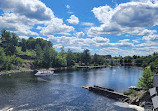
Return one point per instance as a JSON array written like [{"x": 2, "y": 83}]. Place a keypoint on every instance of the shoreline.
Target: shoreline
[
  {"x": 120, "y": 97},
  {"x": 16, "y": 71},
  {"x": 55, "y": 69}
]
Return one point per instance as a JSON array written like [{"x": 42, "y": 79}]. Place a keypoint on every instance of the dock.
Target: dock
[{"x": 110, "y": 93}]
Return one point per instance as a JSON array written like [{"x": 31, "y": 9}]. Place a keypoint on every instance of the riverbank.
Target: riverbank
[
  {"x": 55, "y": 69},
  {"x": 135, "y": 102},
  {"x": 138, "y": 97},
  {"x": 16, "y": 71}
]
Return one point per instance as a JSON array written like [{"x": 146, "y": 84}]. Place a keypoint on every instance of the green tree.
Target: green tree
[
  {"x": 47, "y": 59},
  {"x": 70, "y": 58},
  {"x": 86, "y": 58},
  {"x": 8, "y": 42},
  {"x": 60, "y": 61},
  {"x": 146, "y": 81},
  {"x": 2, "y": 57},
  {"x": 62, "y": 52},
  {"x": 95, "y": 59},
  {"x": 39, "y": 55},
  {"x": 23, "y": 45}
]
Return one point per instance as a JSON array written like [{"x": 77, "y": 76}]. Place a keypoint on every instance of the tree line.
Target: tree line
[{"x": 45, "y": 56}]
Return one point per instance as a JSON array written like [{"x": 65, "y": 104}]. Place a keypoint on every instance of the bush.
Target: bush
[
  {"x": 131, "y": 92},
  {"x": 146, "y": 81}
]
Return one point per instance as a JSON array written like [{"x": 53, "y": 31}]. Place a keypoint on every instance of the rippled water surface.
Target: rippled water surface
[{"x": 62, "y": 91}]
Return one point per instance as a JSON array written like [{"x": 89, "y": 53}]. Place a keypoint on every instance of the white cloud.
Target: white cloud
[
  {"x": 135, "y": 41},
  {"x": 21, "y": 16},
  {"x": 56, "y": 26},
  {"x": 23, "y": 37},
  {"x": 87, "y": 24},
  {"x": 147, "y": 32},
  {"x": 73, "y": 20},
  {"x": 88, "y": 42},
  {"x": 67, "y": 6},
  {"x": 134, "y": 51},
  {"x": 101, "y": 40},
  {"x": 33, "y": 9},
  {"x": 10, "y": 21},
  {"x": 103, "y": 13},
  {"x": 124, "y": 40},
  {"x": 80, "y": 34},
  {"x": 153, "y": 38},
  {"x": 130, "y": 17}
]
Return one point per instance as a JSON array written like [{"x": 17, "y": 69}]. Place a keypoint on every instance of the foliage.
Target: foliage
[
  {"x": 9, "y": 41},
  {"x": 27, "y": 52},
  {"x": 2, "y": 56},
  {"x": 86, "y": 57},
  {"x": 146, "y": 81},
  {"x": 131, "y": 93},
  {"x": 70, "y": 58}
]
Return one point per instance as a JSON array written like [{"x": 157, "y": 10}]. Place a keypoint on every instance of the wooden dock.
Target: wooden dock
[{"x": 110, "y": 93}]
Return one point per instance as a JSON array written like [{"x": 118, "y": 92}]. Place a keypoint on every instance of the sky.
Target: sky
[{"x": 115, "y": 27}]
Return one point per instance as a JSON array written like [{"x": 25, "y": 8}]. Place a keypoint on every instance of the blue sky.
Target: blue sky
[{"x": 116, "y": 27}]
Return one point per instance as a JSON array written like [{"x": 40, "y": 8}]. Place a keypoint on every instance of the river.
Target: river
[{"x": 62, "y": 91}]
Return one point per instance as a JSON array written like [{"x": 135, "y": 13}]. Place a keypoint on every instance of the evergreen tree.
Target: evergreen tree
[
  {"x": 70, "y": 58},
  {"x": 86, "y": 58},
  {"x": 39, "y": 55},
  {"x": 146, "y": 81},
  {"x": 23, "y": 44}
]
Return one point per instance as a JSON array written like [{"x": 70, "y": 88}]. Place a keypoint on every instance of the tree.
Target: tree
[
  {"x": 60, "y": 61},
  {"x": 39, "y": 55},
  {"x": 23, "y": 44},
  {"x": 95, "y": 59},
  {"x": 2, "y": 57},
  {"x": 86, "y": 58},
  {"x": 9, "y": 41},
  {"x": 31, "y": 43},
  {"x": 70, "y": 58},
  {"x": 62, "y": 52},
  {"x": 47, "y": 59},
  {"x": 146, "y": 81}
]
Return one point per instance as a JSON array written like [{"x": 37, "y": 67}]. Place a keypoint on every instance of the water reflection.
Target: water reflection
[{"x": 62, "y": 91}]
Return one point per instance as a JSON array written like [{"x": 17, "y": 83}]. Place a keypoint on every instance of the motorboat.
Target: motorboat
[{"x": 44, "y": 73}]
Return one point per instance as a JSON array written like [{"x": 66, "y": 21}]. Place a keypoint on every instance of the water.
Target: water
[{"x": 62, "y": 91}]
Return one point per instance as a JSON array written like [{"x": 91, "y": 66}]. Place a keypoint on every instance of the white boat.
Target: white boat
[{"x": 44, "y": 73}]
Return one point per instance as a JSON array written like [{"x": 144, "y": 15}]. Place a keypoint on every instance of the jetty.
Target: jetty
[{"x": 110, "y": 93}]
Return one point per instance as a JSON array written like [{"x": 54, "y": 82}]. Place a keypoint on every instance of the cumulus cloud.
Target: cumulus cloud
[
  {"x": 33, "y": 9},
  {"x": 88, "y": 42},
  {"x": 56, "y": 26},
  {"x": 10, "y": 21},
  {"x": 123, "y": 52},
  {"x": 73, "y": 20},
  {"x": 80, "y": 34},
  {"x": 20, "y": 16},
  {"x": 153, "y": 38},
  {"x": 79, "y": 42},
  {"x": 130, "y": 17}
]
